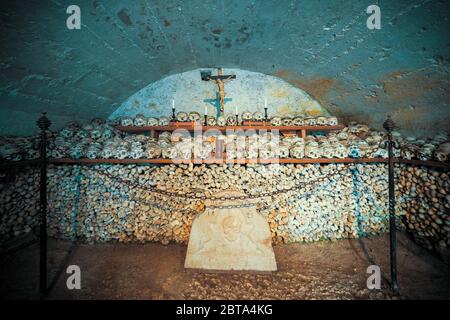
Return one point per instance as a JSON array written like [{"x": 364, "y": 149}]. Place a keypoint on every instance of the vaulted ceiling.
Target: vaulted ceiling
[{"x": 323, "y": 47}]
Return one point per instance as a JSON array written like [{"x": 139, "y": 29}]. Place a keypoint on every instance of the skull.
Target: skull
[
  {"x": 136, "y": 153},
  {"x": 182, "y": 116},
  {"x": 140, "y": 120},
  {"x": 381, "y": 153},
  {"x": 126, "y": 121},
  {"x": 231, "y": 120},
  {"x": 283, "y": 151},
  {"x": 258, "y": 116},
  {"x": 332, "y": 121},
  {"x": 163, "y": 121},
  {"x": 153, "y": 151},
  {"x": 169, "y": 152},
  {"x": 251, "y": 152},
  {"x": 221, "y": 121},
  {"x": 321, "y": 121},
  {"x": 342, "y": 135},
  {"x": 194, "y": 116},
  {"x": 298, "y": 151},
  {"x": 152, "y": 122},
  {"x": 67, "y": 133},
  {"x": 276, "y": 121},
  {"x": 341, "y": 152},
  {"x": 92, "y": 153},
  {"x": 328, "y": 152},
  {"x": 95, "y": 133},
  {"x": 298, "y": 121},
  {"x": 76, "y": 152},
  {"x": 246, "y": 116},
  {"x": 121, "y": 152},
  {"x": 211, "y": 121},
  {"x": 442, "y": 152},
  {"x": 286, "y": 121},
  {"x": 407, "y": 154},
  {"x": 310, "y": 121},
  {"x": 265, "y": 153},
  {"x": 312, "y": 151},
  {"x": 33, "y": 154},
  {"x": 353, "y": 151},
  {"x": 107, "y": 152}
]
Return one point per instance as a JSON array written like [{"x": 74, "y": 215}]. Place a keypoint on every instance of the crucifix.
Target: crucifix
[{"x": 219, "y": 79}]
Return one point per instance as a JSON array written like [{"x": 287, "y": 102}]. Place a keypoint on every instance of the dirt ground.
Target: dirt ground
[{"x": 325, "y": 270}]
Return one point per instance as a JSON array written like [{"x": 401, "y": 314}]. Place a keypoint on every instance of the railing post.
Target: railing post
[
  {"x": 388, "y": 125},
  {"x": 43, "y": 124}
]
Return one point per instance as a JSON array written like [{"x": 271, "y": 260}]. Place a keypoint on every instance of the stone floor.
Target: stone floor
[{"x": 325, "y": 270}]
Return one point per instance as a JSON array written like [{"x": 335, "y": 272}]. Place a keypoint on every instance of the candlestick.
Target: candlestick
[
  {"x": 206, "y": 120},
  {"x": 265, "y": 113},
  {"x": 173, "y": 110},
  {"x": 237, "y": 119}
]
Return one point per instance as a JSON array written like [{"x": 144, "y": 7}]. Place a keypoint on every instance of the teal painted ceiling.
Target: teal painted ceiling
[{"x": 322, "y": 47}]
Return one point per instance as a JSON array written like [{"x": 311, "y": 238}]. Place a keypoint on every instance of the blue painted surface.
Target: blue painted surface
[{"x": 323, "y": 47}]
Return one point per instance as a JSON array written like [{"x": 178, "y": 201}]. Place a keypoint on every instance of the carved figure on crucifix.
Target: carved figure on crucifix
[{"x": 219, "y": 79}]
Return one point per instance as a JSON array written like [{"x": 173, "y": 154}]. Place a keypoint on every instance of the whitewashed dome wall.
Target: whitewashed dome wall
[{"x": 247, "y": 92}]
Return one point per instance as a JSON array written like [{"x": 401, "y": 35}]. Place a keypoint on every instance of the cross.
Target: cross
[
  {"x": 206, "y": 76},
  {"x": 216, "y": 103}
]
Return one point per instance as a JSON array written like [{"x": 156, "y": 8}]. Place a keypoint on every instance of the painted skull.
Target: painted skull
[
  {"x": 286, "y": 121},
  {"x": 276, "y": 121},
  {"x": 194, "y": 116},
  {"x": 298, "y": 121},
  {"x": 321, "y": 121},
  {"x": 246, "y": 116},
  {"x": 332, "y": 121},
  {"x": 353, "y": 151},
  {"x": 258, "y": 116},
  {"x": 211, "y": 121},
  {"x": 152, "y": 122},
  {"x": 163, "y": 121},
  {"x": 231, "y": 120},
  {"x": 182, "y": 116},
  {"x": 140, "y": 120},
  {"x": 221, "y": 121},
  {"x": 310, "y": 121}
]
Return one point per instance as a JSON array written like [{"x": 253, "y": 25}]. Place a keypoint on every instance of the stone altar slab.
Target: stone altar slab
[{"x": 226, "y": 239}]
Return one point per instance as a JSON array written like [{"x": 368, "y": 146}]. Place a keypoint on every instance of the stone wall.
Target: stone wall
[{"x": 302, "y": 203}]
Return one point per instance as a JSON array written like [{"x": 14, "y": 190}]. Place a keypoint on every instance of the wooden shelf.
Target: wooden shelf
[
  {"x": 215, "y": 161},
  {"x": 437, "y": 164},
  {"x": 134, "y": 129}
]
